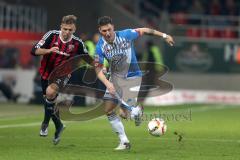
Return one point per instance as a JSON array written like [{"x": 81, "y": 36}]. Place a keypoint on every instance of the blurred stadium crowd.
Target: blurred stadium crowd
[
  {"x": 199, "y": 7},
  {"x": 202, "y": 18}
]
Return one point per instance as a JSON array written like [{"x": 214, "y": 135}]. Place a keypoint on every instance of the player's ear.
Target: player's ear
[
  {"x": 74, "y": 29},
  {"x": 99, "y": 29}
]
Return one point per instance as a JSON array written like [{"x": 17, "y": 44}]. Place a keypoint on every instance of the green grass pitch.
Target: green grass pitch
[{"x": 209, "y": 132}]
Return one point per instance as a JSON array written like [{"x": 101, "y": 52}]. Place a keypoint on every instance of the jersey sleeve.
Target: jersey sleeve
[
  {"x": 82, "y": 48},
  {"x": 44, "y": 42},
  {"x": 130, "y": 34},
  {"x": 98, "y": 57}
]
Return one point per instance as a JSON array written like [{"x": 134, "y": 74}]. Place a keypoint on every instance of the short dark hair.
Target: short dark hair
[
  {"x": 104, "y": 21},
  {"x": 69, "y": 19}
]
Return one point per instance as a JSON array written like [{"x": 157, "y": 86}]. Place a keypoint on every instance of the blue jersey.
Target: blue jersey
[{"x": 120, "y": 54}]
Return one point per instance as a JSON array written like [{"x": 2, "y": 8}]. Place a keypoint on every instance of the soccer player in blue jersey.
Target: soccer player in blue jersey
[{"x": 117, "y": 47}]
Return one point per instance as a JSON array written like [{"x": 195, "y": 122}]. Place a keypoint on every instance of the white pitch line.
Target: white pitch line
[
  {"x": 20, "y": 125},
  {"x": 27, "y": 125}
]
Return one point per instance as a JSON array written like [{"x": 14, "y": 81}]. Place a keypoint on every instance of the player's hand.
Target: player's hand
[
  {"x": 111, "y": 88},
  {"x": 53, "y": 49},
  {"x": 169, "y": 40}
]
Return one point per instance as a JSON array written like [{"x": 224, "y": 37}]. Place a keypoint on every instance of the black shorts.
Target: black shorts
[
  {"x": 61, "y": 82},
  {"x": 44, "y": 84}
]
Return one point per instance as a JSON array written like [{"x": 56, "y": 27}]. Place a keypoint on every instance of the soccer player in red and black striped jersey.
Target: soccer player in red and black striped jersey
[{"x": 56, "y": 47}]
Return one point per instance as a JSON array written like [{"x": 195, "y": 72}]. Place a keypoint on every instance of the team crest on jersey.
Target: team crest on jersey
[
  {"x": 124, "y": 45},
  {"x": 56, "y": 43},
  {"x": 70, "y": 47}
]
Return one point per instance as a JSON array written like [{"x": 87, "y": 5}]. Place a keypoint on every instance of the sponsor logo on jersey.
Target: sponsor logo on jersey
[
  {"x": 71, "y": 48},
  {"x": 56, "y": 43},
  {"x": 124, "y": 45}
]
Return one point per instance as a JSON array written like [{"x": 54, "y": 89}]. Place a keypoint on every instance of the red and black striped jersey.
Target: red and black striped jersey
[{"x": 67, "y": 50}]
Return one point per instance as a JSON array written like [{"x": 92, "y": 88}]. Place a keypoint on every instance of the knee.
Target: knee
[
  {"x": 51, "y": 93},
  {"x": 123, "y": 113},
  {"x": 109, "y": 107},
  {"x": 108, "y": 111}
]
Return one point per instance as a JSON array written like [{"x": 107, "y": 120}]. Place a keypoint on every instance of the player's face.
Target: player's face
[
  {"x": 67, "y": 30},
  {"x": 107, "y": 31}
]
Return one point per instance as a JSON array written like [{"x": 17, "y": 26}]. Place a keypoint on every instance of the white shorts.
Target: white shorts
[{"x": 127, "y": 90}]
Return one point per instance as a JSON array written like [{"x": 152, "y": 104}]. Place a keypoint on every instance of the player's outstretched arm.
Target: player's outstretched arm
[{"x": 149, "y": 31}]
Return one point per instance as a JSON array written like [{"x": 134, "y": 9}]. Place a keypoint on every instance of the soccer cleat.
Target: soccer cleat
[
  {"x": 123, "y": 146},
  {"x": 137, "y": 114},
  {"x": 44, "y": 130},
  {"x": 57, "y": 134}
]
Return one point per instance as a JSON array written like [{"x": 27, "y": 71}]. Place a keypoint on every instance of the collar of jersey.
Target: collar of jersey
[{"x": 63, "y": 40}]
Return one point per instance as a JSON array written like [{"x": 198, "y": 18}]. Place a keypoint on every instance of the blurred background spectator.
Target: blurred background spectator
[{"x": 6, "y": 88}]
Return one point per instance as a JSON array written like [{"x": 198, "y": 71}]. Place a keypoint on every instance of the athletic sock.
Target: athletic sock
[
  {"x": 48, "y": 111},
  {"x": 118, "y": 127},
  {"x": 56, "y": 120}
]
